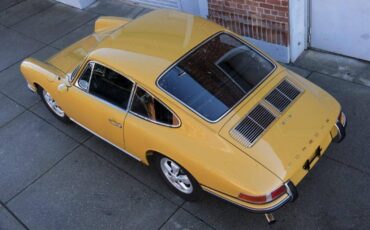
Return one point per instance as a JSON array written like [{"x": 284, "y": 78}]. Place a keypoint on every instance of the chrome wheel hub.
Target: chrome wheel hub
[
  {"x": 176, "y": 176},
  {"x": 52, "y": 104}
]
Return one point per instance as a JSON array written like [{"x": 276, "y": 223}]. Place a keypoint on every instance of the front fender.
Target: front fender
[
  {"x": 38, "y": 73},
  {"x": 33, "y": 69}
]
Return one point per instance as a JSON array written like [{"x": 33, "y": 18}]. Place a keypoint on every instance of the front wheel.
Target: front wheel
[
  {"x": 53, "y": 106},
  {"x": 178, "y": 179}
]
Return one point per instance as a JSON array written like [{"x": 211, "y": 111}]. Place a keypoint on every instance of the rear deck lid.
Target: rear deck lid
[{"x": 283, "y": 125}]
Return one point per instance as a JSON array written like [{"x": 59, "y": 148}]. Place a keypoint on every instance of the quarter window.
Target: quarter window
[
  {"x": 148, "y": 107},
  {"x": 83, "y": 81}
]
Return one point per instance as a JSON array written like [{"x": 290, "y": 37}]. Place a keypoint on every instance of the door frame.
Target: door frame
[{"x": 74, "y": 85}]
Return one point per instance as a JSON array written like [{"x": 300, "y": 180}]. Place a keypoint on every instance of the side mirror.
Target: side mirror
[{"x": 62, "y": 87}]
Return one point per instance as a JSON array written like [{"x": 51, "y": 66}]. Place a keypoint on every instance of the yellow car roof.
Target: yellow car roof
[{"x": 147, "y": 46}]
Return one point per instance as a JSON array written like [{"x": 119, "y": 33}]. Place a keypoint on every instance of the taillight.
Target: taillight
[{"x": 264, "y": 198}]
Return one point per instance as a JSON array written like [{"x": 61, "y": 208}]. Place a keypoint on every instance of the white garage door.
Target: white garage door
[{"x": 341, "y": 26}]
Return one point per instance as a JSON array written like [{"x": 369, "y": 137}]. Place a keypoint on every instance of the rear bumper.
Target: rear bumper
[
  {"x": 290, "y": 196},
  {"x": 337, "y": 135}
]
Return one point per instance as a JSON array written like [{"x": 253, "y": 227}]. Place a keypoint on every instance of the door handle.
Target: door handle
[{"x": 115, "y": 123}]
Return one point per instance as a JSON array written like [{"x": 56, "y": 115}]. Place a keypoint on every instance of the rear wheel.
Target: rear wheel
[
  {"x": 178, "y": 179},
  {"x": 52, "y": 105}
]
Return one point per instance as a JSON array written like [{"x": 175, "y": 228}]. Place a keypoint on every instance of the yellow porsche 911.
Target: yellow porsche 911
[{"x": 209, "y": 110}]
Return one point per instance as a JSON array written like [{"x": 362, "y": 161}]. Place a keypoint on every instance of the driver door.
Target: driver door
[{"x": 98, "y": 101}]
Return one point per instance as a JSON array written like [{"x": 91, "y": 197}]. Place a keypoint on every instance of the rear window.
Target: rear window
[{"x": 216, "y": 76}]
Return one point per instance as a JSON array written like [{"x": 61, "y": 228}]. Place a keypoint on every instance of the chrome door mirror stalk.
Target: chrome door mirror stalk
[
  {"x": 62, "y": 87},
  {"x": 66, "y": 83},
  {"x": 69, "y": 80}
]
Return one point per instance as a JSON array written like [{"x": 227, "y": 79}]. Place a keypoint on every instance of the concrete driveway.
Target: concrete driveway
[{"x": 57, "y": 176}]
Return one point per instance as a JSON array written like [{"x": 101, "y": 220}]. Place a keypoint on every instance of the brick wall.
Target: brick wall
[{"x": 266, "y": 20}]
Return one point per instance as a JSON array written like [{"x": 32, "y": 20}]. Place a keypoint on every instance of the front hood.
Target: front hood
[
  {"x": 295, "y": 134},
  {"x": 68, "y": 59}
]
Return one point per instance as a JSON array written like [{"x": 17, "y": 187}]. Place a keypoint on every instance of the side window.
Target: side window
[
  {"x": 150, "y": 108},
  {"x": 83, "y": 81},
  {"x": 110, "y": 86}
]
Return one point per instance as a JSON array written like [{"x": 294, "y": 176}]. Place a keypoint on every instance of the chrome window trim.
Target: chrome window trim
[
  {"x": 74, "y": 73},
  {"x": 98, "y": 98},
  {"x": 123, "y": 150},
  {"x": 192, "y": 51},
  {"x": 131, "y": 97},
  {"x": 150, "y": 120}
]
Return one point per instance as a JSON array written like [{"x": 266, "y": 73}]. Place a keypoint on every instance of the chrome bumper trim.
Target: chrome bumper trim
[
  {"x": 344, "y": 120},
  {"x": 341, "y": 128},
  {"x": 129, "y": 154}
]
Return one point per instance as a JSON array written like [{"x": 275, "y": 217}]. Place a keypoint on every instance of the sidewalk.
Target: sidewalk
[
  {"x": 57, "y": 176},
  {"x": 337, "y": 66}
]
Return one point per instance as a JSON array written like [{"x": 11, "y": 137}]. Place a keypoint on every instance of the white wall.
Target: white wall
[
  {"x": 341, "y": 26},
  {"x": 203, "y": 8},
  {"x": 298, "y": 14},
  {"x": 196, "y": 7},
  {"x": 81, "y": 4}
]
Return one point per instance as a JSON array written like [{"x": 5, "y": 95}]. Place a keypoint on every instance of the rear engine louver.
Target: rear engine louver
[
  {"x": 253, "y": 125},
  {"x": 283, "y": 95}
]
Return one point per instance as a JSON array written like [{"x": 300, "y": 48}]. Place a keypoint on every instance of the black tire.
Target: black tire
[
  {"x": 194, "y": 194},
  {"x": 64, "y": 118}
]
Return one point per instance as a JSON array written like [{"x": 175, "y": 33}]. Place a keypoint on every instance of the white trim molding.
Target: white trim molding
[
  {"x": 124, "y": 151},
  {"x": 277, "y": 52},
  {"x": 196, "y": 7},
  {"x": 80, "y": 4}
]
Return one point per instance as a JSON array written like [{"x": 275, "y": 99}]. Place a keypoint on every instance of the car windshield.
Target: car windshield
[{"x": 216, "y": 76}]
